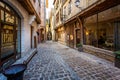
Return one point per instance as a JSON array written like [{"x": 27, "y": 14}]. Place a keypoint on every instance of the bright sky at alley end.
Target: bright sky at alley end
[{"x": 50, "y": 5}]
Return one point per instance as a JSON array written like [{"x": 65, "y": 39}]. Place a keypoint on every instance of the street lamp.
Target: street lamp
[{"x": 77, "y": 3}]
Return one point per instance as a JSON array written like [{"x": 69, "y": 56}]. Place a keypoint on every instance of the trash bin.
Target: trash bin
[{"x": 15, "y": 72}]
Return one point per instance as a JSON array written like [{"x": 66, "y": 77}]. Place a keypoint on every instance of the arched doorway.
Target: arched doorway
[{"x": 10, "y": 35}]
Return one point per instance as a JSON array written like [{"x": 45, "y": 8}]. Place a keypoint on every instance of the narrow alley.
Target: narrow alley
[{"x": 55, "y": 61}]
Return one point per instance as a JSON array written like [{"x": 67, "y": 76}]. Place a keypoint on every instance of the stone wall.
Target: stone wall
[{"x": 105, "y": 54}]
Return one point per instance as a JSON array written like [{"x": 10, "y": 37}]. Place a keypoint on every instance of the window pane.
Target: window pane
[
  {"x": 7, "y": 48},
  {"x": 7, "y": 8},
  {"x": 106, "y": 27},
  {"x": 1, "y": 4},
  {"x": 91, "y": 30},
  {"x": 2, "y": 15},
  {"x": 9, "y": 18}
]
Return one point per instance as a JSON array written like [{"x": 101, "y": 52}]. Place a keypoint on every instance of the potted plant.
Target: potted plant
[
  {"x": 117, "y": 58},
  {"x": 80, "y": 47}
]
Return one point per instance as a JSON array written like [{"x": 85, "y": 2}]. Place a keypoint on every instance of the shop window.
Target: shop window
[
  {"x": 91, "y": 31},
  {"x": 10, "y": 39},
  {"x": 117, "y": 37},
  {"x": 106, "y": 27},
  {"x": 101, "y": 30}
]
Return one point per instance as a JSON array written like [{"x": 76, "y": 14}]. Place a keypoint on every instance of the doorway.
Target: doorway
[
  {"x": 77, "y": 36},
  {"x": 32, "y": 45}
]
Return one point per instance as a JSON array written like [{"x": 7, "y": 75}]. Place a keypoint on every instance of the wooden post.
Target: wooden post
[{"x": 81, "y": 28}]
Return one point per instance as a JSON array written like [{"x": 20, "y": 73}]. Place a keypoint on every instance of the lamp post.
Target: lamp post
[{"x": 77, "y": 3}]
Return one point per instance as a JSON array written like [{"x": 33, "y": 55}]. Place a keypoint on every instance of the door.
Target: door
[
  {"x": 8, "y": 43},
  {"x": 32, "y": 45},
  {"x": 78, "y": 36}
]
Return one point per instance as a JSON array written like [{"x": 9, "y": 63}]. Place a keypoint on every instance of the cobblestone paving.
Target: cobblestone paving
[
  {"x": 87, "y": 66},
  {"x": 47, "y": 65},
  {"x": 58, "y": 62}
]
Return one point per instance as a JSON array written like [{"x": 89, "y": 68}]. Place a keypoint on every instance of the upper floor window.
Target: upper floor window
[
  {"x": 69, "y": 8},
  {"x": 34, "y": 1},
  {"x": 39, "y": 2},
  {"x": 64, "y": 13},
  {"x": 57, "y": 4},
  {"x": 63, "y": 2}
]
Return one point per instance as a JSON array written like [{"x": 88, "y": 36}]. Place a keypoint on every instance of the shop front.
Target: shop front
[
  {"x": 61, "y": 34},
  {"x": 10, "y": 35},
  {"x": 70, "y": 35},
  {"x": 102, "y": 30}
]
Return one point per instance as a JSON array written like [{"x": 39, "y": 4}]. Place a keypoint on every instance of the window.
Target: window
[
  {"x": 91, "y": 30},
  {"x": 34, "y": 1},
  {"x": 39, "y": 3},
  {"x": 64, "y": 13},
  {"x": 10, "y": 39},
  {"x": 103, "y": 32},
  {"x": 57, "y": 17},
  {"x": 69, "y": 8}
]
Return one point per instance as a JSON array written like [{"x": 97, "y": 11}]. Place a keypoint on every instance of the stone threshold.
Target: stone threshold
[{"x": 25, "y": 59}]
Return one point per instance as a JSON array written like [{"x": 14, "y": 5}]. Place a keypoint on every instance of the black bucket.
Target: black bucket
[{"x": 15, "y": 72}]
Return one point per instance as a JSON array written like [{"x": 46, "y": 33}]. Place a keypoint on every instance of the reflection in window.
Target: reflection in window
[
  {"x": 100, "y": 33},
  {"x": 1, "y": 4},
  {"x": 91, "y": 30},
  {"x": 2, "y": 15},
  {"x": 9, "y": 18},
  {"x": 7, "y": 48}
]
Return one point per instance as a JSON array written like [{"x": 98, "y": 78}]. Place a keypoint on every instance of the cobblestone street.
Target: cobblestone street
[{"x": 58, "y": 62}]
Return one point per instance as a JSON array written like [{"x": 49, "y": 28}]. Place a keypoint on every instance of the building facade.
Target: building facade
[
  {"x": 93, "y": 23},
  {"x": 52, "y": 24},
  {"x": 19, "y": 21},
  {"x": 42, "y": 29}
]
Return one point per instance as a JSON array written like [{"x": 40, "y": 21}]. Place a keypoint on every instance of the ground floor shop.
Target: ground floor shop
[
  {"x": 97, "y": 32},
  {"x": 101, "y": 31},
  {"x": 69, "y": 34},
  {"x": 17, "y": 32}
]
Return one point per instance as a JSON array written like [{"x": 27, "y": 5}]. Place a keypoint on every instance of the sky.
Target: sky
[{"x": 50, "y": 5}]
